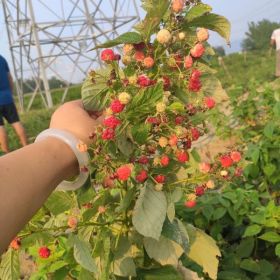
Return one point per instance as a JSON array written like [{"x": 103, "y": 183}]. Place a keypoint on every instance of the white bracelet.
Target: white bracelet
[{"x": 82, "y": 157}]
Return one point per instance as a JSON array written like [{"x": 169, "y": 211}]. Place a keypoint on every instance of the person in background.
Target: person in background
[
  {"x": 275, "y": 40},
  {"x": 7, "y": 108}
]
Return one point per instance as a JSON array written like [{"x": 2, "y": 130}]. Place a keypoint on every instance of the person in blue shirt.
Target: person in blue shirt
[{"x": 8, "y": 109}]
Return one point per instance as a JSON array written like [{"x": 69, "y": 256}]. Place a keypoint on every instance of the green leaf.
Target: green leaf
[
  {"x": 125, "y": 145},
  {"x": 265, "y": 267},
  {"x": 57, "y": 265},
  {"x": 9, "y": 266},
  {"x": 252, "y": 230},
  {"x": 201, "y": 242},
  {"x": 82, "y": 254},
  {"x": 177, "y": 107},
  {"x": 163, "y": 273},
  {"x": 277, "y": 250},
  {"x": 245, "y": 248},
  {"x": 164, "y": 251},
  {"x": 140, "y": 133},
  {"x": 94, "y": 91},
  {"x": 126, "y": 38},
  {"x": 269, "y": 169},
  {"x": 156, "y": 9},
  {"x": 213, "y": 22},
  {"x": 250, "y": 265},
  {"x": 126, "y": 201},
  {"x": 219, "y": 213},
  {"x": 59, "y": 202},
  {"x": 144, "y": 103},
  {"x": 198, "y": 11},
  {"x": 270, "y": 236},
  {"x": 269, "y": 130},
  {"x": 150, "y": 212},
  {"x": 276, "y": 109}
]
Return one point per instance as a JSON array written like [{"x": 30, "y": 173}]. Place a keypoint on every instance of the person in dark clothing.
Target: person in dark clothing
[{"x": 8, "y": 109}]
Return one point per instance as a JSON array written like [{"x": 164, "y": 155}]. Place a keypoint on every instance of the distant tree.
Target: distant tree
[
  {"x": 56, "y": 83},
  {"x": 258, "y": 35},
  {"x": 220, "y": 51}
]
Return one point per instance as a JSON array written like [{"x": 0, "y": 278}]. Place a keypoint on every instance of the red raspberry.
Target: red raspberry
[
  {"x": 144, "y": 81},
  {"x": 209, "y": 102},
  {"x": 194, "y": 85},
  {"x": 44, "y": 252},
  {"x": 179, "y": 120},
  {"x": 108, "y": 134},
  {"x": 191, "y": 109},
  {"x": 198, "y": 50},
  {"x": 195, "y": 75},
  {"x": 142, "y": 176},
  {"x": 117, "y": 106},
  {"x": 139, "y": 56},
  {"x": 139, "y": 46},
  {"x": 15, "y": 244},
  {"x": 164, "y": 160},
  {"x": 107, "y": 55},
  {"x": 226, "y": 161},
  {"x": 153, "y": 120},
  {"x": 123, "y": 172},
  {"x": 173, "y": 140},
  {"x": 166, "y": 83},
  {"x": 188, "y": 62},
  {"x": 111, "y": 122},
  {"x": 160, "y": 179},
  {"x": 190, "y": 203},
  {"x": 182, "y": 156},
  {"x": 188, "y": 144},
  {"x": 235, "y": 156},
  {"x": 199, "y": 190},
  {"x": 238, "y": 172},
  {"x": 143, "y": 160},
  {"x": 195, "y": 133}
]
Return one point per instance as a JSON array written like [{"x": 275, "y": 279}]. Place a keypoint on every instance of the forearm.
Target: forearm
[{"x": 28, "y": 176}]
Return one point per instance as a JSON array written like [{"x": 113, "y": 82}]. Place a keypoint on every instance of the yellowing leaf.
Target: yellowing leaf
[
  {"x": 204, "y": 251},
  {"x": 164, "y": 251}
]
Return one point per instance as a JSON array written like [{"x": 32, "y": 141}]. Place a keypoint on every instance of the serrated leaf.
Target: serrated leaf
[
  {"x": 213, "y": 22},
  {"x": 198, "y": 11},
  {"x": 164, "y": 251},
  {"x": 277, "y": 250},
  {"x": 94, "y": 91},
  {"x": 150, "y": 212},
  {"x": 9, "y": 266},
  {"x": 270, "y": 236},
  {"x": 201, "y": 242},
  {"x": 252, "y": 230},
  {"x": 163, "y": 273},
  {"x": 126, "y": 201},
  {"x": 126, "y": 38},
  {"x": 269, "y": 130},
  {"x": 250, "y": 265},
  {"x": 59, "y": 202},
  {"x": 140, "y": 133},
  {"x": 245, "y": 248},
  {"x": 82, "y": 254},
  {"x": 125, "y": 145}
]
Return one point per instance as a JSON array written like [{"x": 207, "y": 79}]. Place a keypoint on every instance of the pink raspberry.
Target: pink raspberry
[
  {"x": 139, "y": 56},
  {"x": 188, "y": 62},
  {"x": 209, "y": 102},
  {"x": 153, "y": 120},
  {"x": 143, "y": 160},
  {"x": 144, "y": 81},
  {"x": 142, "y": 176},
  {"x": 117, "y": 106},
  {"x": 182, "y": 156},
  {"x": 107, "y": 55},
  {"x": 148, "y": 62},
  {"x": 195, "y": 133},
  {"x": 164, "y": 160},
  {"x": 123, "y": 172},
  {"x": 173, "y": 140},
  {"x": 196, "y": 74},
  {"x": 44, "y": 252},
  {"x": 199, "y": 190},
  {"x": 160, "y": 179},
  {"x": 15, "y": 244},
  {"x": 177, "y": 5},
  {"x": 197, "y": 51},
  {"x": 235, "y": 156},
  {"x": 117, "y": 57},
  {"x": 195, "y": 85},
  {"x": 204, "y": 167},
  {"x": 226, "y": 161},
  {"x": 111, "y": 122},
  {"x": 190, "y": 203},
  {"x": 191, "y": 109},
  {"x": 108, "y": 134},
  {"x": 238, "y": 172}
]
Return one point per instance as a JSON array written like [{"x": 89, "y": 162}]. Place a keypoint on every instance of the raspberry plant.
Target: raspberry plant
[{"x": 124, "y": 223}]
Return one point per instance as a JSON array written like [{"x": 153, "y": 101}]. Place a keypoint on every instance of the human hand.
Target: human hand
[{"x": 73, "y": 118}]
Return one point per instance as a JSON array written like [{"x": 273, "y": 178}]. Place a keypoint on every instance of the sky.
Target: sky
[{"x": 239, "y": 12}]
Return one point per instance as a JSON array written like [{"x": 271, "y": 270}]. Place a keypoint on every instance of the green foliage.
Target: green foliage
[
  {"x": 258, "y": 35},
  {"x": 9, "y": 267}
]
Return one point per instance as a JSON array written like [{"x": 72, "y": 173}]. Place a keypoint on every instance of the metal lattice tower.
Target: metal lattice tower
[{"x": 52, "y": 38}]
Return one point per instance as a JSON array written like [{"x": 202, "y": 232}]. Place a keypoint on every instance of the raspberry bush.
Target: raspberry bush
[{"x": 143, "y": 162}]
